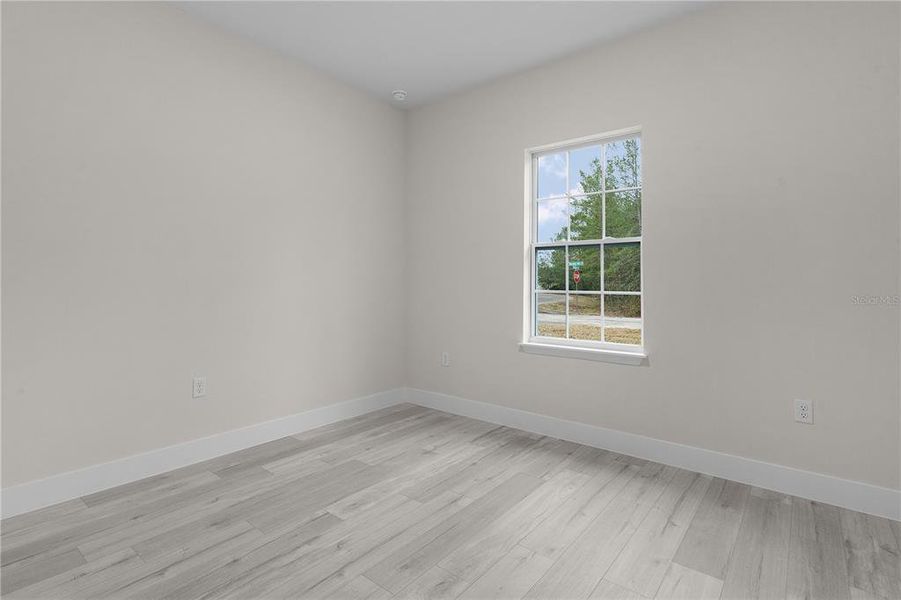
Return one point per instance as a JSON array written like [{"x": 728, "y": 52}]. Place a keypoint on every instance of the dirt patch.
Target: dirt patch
[
  {"x": 623, "y": 335},
  {"x": 616, "y": 335}
]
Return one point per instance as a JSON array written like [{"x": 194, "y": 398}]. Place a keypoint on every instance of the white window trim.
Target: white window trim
[{"x": 600, "y": 351}]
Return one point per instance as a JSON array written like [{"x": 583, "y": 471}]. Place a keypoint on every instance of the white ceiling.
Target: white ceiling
[{"x": 431, "y": 49}]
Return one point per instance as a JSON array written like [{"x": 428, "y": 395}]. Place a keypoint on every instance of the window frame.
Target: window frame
[{"x": 597, "y": 350}]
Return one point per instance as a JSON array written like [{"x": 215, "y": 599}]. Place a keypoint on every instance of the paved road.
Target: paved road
[{"x": 591, "y": 320}]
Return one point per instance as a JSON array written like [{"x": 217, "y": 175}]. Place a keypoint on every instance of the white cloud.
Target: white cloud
[
  {"x": 553, "y": 165},
  {"x": 551, "y": 210}
]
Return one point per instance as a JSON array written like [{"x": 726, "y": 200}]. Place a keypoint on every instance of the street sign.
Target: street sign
[{"x": 577, "y": 276}]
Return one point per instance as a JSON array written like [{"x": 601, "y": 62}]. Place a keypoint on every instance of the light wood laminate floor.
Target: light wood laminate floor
[{"x": 409, "y": 502}]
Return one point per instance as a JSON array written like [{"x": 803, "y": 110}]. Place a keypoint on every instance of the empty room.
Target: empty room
[{"x": 431, "y": 300}]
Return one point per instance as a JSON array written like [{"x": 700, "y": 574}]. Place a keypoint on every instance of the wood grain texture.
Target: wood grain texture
[
  {"x": 644, "y": 560},
  {"x": 607, "y": 590},
  {"x": 758, "y": 567},
  {"x": 872, "y": 554},
  {"x": 409, "y": 502},
  {"x": 510, "y": 577},
  {"x": 583, "y": 563},
  {"x": 359, "y": 589},
  {"x": 682, "y": 583},
  {"x": 397, "y": 570},
  {"x": 711, "y": 535},
  {"x": 816, "y": 561}
]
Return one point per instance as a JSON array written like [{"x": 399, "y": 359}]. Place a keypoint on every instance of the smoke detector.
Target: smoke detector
[{"x": 399, "y": 95}]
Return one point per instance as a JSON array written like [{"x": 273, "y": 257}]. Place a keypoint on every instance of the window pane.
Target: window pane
[
  {"x": 622, "y": 267},
  {"x": 550, "y": 273},
  {"x": 585, "y": 170},
  {"x": 585, "y": 268},
  {"x": 550, "y": 315},
  {"x": 622, "y": 319},
  {"x": 585, "y": 317},
  {"x": 585, "y": 218},
  {"x": 623, "y": 167},
  {"x": 552, "y": 175},
  {"x": 622, "y": 308},
  {"x": 624, "y": 214},
  {"x": 552, "y": 220},
  {"x": 622, "y": 335}
]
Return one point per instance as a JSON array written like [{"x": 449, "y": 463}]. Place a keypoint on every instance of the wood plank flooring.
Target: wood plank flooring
[{"x": 409, "y": 502}]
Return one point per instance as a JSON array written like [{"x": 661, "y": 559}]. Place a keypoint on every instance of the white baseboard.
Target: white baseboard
[
  {"x": 66, "y": 486},
  {"x": 855, "y": 495}
]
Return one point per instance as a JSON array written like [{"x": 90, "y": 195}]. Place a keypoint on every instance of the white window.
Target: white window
[{"x": 585, "y": 244}]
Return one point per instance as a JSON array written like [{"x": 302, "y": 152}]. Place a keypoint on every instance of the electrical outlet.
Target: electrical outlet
[
  {"x": 445, "y": 359},
  {"x": 804, "y": 411},
  {"x": 199, "y": 390}
]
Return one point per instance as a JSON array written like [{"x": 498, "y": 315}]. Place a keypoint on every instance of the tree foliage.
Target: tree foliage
[{"x": 623, "y": 213}]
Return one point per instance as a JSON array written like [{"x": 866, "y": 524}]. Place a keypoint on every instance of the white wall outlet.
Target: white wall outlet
[
  {"x": 445, "y": 359},
  {"x": 804, "y": 411},
  {"x": 199, "y": 390}
]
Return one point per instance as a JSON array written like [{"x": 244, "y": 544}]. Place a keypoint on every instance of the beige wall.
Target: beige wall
[
  {"x": 177, "y": 199},
  {"x": 771, "y": 197}
]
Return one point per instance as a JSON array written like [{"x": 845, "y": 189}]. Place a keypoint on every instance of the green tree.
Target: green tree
[
  {"x": 549, "y": 269},
  {"x": 623, "y": 211}
]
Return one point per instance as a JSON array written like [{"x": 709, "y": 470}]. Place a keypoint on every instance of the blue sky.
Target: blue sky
[{"x": 552, "y": 181}]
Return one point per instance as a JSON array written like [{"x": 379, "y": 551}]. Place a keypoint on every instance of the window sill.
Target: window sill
[{"x": 598, "y": 354}]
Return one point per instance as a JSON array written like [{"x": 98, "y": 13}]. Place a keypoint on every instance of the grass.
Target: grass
[
  {"x": 576, "y": 307},
  {"x": 582, "y": 305},
  {"x": 616, "y": 335},
  {"x": 623, "y": 335}
]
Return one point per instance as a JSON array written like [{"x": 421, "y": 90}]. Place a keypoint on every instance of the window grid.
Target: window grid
[
  {"x": 601, "y": 243},
  {"x": 566, "y": 257},
  {"x": 603, "y": 234}
]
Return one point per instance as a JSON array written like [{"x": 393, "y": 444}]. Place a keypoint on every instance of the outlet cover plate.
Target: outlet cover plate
[
  {"x": 804, "y": 411},
  {"x": 199, "y": 389}
]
